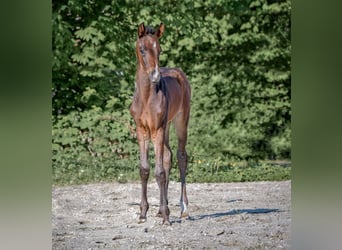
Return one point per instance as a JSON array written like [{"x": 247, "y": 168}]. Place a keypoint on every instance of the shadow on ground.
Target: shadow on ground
[{"x": 232, "y": 212}]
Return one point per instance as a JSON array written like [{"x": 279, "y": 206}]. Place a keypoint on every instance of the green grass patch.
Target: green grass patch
[
  {"x": 239, "y": 172},
  {"x": 200, "y": 171}
]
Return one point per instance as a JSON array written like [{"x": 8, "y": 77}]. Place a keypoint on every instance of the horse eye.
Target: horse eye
[{"x": 142, "y": 51}]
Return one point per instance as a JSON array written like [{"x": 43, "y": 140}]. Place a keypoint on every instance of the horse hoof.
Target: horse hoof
[
  {"x": 184, "y": 214},
  {"x": 141, "y": 220},
  {"x": 166, "y": 223}
]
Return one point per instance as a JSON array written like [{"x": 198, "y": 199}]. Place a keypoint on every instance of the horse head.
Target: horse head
[{"x": 148, "y": 50}]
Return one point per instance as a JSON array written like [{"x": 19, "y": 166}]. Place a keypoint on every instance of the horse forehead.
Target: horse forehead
[{"x": 149, "y": 41}]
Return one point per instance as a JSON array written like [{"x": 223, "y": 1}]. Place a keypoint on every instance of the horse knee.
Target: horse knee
[
  {"x": 159, "y": 173},
  {"x": 182, "y": 156},
  {"x": 144, "y": 171}
]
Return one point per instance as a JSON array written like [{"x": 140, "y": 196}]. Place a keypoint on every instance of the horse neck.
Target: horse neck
[{"x": 144, "y": 87}]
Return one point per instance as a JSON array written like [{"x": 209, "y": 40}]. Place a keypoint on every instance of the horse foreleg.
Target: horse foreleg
[
  {"x": 167, "y": 161},
  {"x": 160, "y": 175},
  {"x": 144, "y": 174}
]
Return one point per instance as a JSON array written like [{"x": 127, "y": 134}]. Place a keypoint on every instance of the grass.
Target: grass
[{"x": 200, "y": 171}]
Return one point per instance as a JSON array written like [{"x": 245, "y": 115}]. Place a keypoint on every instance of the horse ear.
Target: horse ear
[
  {"x": 160, "y": 30},
  {"x": 141, "y": 30}
]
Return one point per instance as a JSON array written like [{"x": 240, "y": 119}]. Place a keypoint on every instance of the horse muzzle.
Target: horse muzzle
[{"x": 154, "y": 76}]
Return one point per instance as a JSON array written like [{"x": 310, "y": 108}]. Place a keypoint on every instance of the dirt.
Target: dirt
[{"x": 252, "y": 215}]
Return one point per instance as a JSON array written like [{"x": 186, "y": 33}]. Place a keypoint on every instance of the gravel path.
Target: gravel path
[{"x": 251, "y": 215}]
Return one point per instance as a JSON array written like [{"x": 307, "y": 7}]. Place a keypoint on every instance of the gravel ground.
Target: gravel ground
[{"x": 251, "y": 215}]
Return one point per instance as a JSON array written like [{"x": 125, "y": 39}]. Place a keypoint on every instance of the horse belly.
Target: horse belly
[{"x": 175, "y": 98}]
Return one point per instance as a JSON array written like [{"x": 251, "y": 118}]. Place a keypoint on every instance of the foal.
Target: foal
[{"x": 161, "y": 95}]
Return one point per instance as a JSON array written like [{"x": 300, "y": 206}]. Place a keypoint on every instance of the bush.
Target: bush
[
  {"x": 93, "y": 145},
  {"x": 236, "y": 55}
]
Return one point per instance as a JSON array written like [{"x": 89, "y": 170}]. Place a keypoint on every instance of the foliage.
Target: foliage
[
  {"x": 236, "y": 55},
  {"x": 92, "y": 145},
  {"x": 220, "y": 171}
]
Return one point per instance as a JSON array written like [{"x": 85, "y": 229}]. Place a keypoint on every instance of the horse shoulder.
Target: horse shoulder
[{"x": 135, "y": 108}]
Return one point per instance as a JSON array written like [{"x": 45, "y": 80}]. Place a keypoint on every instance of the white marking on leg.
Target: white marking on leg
[{"x": 183, "y": 206}]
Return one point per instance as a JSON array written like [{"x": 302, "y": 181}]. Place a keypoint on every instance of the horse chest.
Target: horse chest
[{"x": 152, "y": 114}]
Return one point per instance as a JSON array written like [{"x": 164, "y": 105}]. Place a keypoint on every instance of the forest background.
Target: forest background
[{"x": 236, "y": 54}]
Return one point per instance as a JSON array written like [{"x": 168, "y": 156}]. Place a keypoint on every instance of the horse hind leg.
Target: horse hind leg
[
  {"x": 182, "y": 164},
  {"x": 167, "y": 159},
  {"x": 182, "y": 159}
]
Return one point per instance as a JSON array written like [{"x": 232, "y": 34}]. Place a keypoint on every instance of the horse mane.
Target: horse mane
[{"x": 149, "y": 30}]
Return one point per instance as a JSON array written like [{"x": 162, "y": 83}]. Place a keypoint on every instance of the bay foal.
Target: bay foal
[{"x": 161, "y": 95}]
